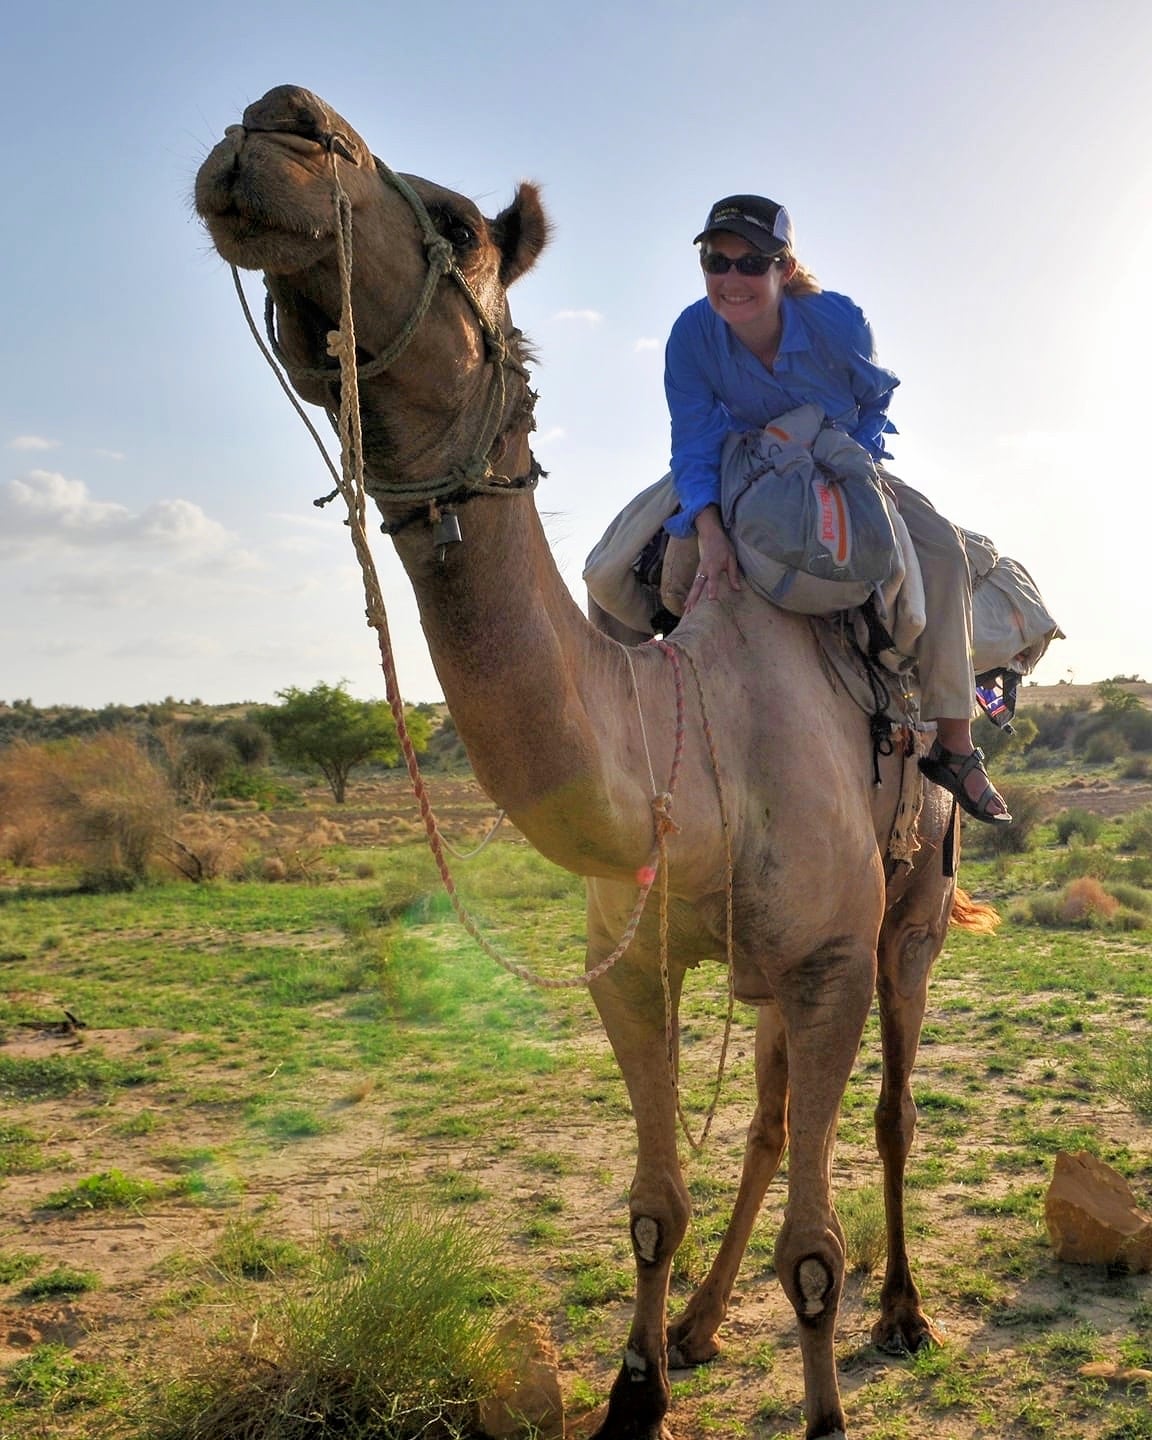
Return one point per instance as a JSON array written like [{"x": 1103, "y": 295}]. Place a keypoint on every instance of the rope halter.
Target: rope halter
[{"x": 476, "y": 474}]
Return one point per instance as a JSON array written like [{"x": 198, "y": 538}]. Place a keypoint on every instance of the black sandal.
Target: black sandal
[{"x": 949, "y": 769}]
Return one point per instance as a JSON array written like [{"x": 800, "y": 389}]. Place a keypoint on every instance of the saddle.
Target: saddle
[{"x": 641, "y": 575}]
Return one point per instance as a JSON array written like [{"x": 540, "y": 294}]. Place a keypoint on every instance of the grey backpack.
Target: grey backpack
[{"x": 805, "y": 509}]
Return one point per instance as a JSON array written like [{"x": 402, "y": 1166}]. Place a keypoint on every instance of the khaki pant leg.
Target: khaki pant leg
[
  {"x": 948, "y": 690},
  {"x": 681, "y": 561}
]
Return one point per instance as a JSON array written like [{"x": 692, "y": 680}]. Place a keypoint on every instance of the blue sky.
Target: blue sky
[{"x": 977, "y": 177}]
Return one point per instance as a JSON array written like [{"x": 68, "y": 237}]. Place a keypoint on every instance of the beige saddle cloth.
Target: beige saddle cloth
[{"x": 1011, "y": 625}]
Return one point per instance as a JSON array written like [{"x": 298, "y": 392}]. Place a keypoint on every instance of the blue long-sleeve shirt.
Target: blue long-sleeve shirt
[{"x": 715, "y": 384}]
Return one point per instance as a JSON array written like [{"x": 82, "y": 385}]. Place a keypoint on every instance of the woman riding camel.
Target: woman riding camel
[{"x": 764, "y": 340}]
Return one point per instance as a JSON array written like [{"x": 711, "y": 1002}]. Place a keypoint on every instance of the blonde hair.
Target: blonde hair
[{"x": 803, "y": 282}]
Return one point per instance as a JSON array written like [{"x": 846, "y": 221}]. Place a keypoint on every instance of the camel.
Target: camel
[{"x": 560, "y": 722}]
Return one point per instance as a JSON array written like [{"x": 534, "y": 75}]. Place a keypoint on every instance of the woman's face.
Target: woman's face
[{"x": 744, "y": 299}]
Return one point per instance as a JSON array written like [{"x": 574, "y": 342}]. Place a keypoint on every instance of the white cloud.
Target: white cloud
[
  {"x": 646, "y": 342},
  {"x": 44, "y": 503},
  {"x": 588, "y": 317},
  {"x": 32, "y": 442},
  {"x": 554, "y": 432},
  {"x": 45, "y": 507}
]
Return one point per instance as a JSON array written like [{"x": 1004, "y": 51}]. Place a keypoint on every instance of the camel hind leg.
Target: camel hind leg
[
  {"x": 910, "y": 939},
  {"x": 692, "y": 1338}
]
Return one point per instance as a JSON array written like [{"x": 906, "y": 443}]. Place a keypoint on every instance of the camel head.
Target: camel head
[{"x": 267, "y": 195}]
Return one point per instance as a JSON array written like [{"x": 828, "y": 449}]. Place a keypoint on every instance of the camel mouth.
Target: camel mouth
[{"x": 249, "y": 196}]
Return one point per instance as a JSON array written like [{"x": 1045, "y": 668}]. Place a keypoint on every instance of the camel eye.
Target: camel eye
[{"x": 459, "y": 234}]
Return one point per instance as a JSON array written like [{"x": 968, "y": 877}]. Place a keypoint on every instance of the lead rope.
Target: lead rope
[
  {"x": 671, "y": 648},
  {"x": 342, "y": 345},
  {"x": 350, "y": 484}
]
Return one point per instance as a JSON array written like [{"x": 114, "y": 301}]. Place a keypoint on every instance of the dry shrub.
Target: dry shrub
[
  {"x": 102, "y": 802},
  {"x": 1086, "y": 901},
  {"x": 22, "y": 844},
  {"x": 205, "y": 848},
  {"x": 305, "y": 860}
]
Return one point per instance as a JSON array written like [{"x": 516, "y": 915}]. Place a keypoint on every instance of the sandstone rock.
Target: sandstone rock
[
  {"x": 1093, "y": 1217},
  {"x": 529, "y": 1400},
  {"x": 1114, "y": 1373}
]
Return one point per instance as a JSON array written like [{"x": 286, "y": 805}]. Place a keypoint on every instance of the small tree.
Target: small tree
[{"x": 325, "y": 727}]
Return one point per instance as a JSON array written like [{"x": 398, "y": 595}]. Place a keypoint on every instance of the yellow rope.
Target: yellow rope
[{"x": 350, "y": 482}]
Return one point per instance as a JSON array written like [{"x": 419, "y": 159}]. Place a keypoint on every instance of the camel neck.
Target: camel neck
[{"x": 532, "y": 687}]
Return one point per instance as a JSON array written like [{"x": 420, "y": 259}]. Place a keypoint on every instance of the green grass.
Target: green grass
[
  {"x": 15, "y": 1265},
  {"x": 396, "y": 1336},
  {"x": 64, "y": 1280},
  {"x": 53, "y": 1381},
  {"x": 261, "y": 1009},
  {"x": 109, "y": 1190},
  {"x": 20, "y": 1152},
  {"x": 250, "y": 1251},
  {"x": 65, "y": 1075}
]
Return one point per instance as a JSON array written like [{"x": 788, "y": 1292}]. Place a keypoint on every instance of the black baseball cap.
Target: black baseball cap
[{"x": 754, "y": 218}]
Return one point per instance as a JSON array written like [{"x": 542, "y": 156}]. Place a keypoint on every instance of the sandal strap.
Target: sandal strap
[{"x": 961, "y": 765}]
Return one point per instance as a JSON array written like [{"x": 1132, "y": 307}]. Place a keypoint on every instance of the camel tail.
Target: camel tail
[{"x": 974, "y": 915}]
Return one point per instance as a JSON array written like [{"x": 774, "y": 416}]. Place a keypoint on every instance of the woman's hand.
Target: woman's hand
[{"x": 717, "y": 558}]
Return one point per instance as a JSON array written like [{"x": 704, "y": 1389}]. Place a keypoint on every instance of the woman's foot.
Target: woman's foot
[{"x": 964, "y": 776}]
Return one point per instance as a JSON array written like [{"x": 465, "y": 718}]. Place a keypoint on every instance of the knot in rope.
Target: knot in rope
[
  {"x": 662, "y": 815},
  {"x": 341, "y": 346},
  {"x": 473, "y": 475},
  {"x": 440, "y": 255}
]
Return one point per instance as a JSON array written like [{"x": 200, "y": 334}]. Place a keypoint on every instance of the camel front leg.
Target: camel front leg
[
  {"x": 631, "y": 1005},
  {"x": 910, "y": 940},
  {"x": 825, "y": 1002},
  {"x": 692, "y": 1338}
]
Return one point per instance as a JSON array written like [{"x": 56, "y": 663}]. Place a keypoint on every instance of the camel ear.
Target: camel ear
[{"x": 521, "y": 232}]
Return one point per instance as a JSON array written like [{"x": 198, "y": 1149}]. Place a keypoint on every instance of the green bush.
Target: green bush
[
  {"x": 997, "y": 743},
  {"x": 1131, "y": 897},
  {"x": 1136, "y": 832},
  {"x": 1102, "y": 747},
  {"x": 202, "y": 764},
  {"x": 1084, "y": 860},
  {"x": 1085, "y": 904},
  {"x": 1136, "y": 727},
  {"x": 1078, "y": 822},
  {"x": 1055, "y": 724}
]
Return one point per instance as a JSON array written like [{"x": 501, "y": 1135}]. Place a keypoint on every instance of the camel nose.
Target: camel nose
[
  {"x": 289, "y": 108},
  {"x": 292, "y": 110}
]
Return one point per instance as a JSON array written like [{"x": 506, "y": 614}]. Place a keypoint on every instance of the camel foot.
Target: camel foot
[
  {"x": 599, "y": 1426},
  {"x": 904, "y": 1333},
  {"x": 636, "y": 1406},
  {"x": 687, "y": 1348}
]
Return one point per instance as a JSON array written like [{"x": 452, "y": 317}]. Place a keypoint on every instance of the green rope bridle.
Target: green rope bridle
[{"x": 476, "y": 474}]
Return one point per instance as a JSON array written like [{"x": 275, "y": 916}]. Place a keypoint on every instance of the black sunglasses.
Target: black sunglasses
[{"x": 713, "y": 263}]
